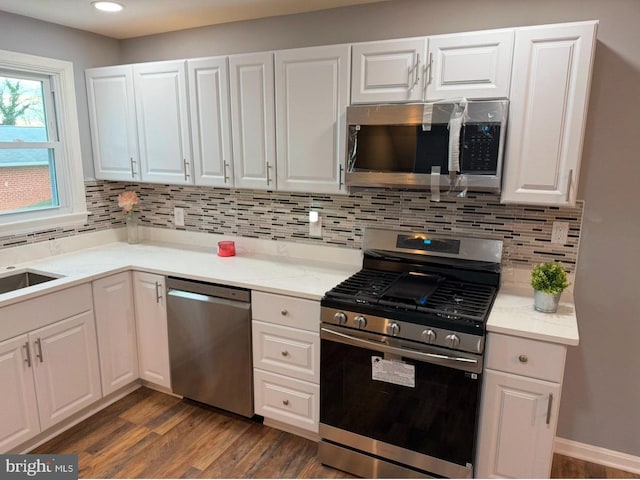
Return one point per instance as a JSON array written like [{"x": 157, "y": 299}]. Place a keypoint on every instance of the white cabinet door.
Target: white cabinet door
[
  {"x": 210, "y": 122},
  {"x": 66, "y": 371},
  {"x": 252, "y": 93},
  {"x": 517, "y": 426},
  {"x": 116, "y": 329},
  {"x": 389, "y": 71},
  {"x": 18, "y": 405},
  {"x": 549, "y": 94},
  {"x": 151, "y": 324},
  {"x": 312, "y": 93},
  {"x": 471, "y": 65},
  {"x": 112, "y": 117},
  {"x": 163, "y": 122}
]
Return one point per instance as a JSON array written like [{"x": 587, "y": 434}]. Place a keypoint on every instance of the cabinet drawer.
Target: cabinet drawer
[
  {"x": 288, "y": 311},
  {"x": 522, "y": 356},
  {"x": 286, "y": 350},
  {"x": 287, "y": 400}
]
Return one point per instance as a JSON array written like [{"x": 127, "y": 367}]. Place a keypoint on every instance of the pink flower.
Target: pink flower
[{"x": 127, "y": 200}]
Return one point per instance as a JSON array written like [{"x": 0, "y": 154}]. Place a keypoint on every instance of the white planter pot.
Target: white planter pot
[{"x": 545, "y": 302}]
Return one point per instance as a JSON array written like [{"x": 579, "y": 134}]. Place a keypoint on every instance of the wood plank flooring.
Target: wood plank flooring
[{"x": 149, "y": 434}]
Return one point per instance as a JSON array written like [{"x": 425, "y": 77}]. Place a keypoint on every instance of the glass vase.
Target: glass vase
[{"x": 133, "y": 232}]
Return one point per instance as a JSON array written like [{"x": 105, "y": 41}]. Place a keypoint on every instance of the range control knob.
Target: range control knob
[
  {"x": 452, "y": 340},
  {"x": 393, "y": 329},
  {"x": 340, "y": 318},
  {"x": 360, "y": 322},
  {"x": 429, "y": 336}
]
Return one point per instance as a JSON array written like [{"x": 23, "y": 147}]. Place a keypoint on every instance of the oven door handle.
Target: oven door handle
[{"x": 460, "y": 363}]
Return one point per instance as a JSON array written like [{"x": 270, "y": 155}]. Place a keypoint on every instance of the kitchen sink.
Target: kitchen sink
[{"x": 22, "y": 280}]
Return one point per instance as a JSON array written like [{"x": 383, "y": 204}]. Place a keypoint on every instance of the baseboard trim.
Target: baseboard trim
[{"x": 602, "y": 456}]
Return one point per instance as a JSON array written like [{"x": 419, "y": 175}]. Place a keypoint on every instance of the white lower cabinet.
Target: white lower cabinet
[
  {"x": 519, "y": 411},
  {"x": 50, "y": 372},
  {"x": 116, "y": 327},
  {"x": 151, "y": 325},
  {"x": 286, "y": 359},
  {"x": 19, "y": 419}
]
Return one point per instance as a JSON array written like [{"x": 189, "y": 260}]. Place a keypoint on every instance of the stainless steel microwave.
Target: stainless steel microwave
[{"x": 446, "y": 145}]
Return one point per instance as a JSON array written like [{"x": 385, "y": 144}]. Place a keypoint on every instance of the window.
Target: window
[{"x": 41, "y": 181}]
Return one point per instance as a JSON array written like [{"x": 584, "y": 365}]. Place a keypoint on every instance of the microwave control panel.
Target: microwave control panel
[{"x": 479, "y": 148}]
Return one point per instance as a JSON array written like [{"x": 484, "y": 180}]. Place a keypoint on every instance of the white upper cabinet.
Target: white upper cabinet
[
  {"x": 210, "y": 121},
  {"x": 163, "y": 122},
  {"x": 252, "y": 97},
  {"x": 112, "y": 118},
  {"x": 312, "y": 93},
  {"x": 474, "y": 65},
  {"x": 388, "y": 71},
  {"x": 549, "y": 96}
]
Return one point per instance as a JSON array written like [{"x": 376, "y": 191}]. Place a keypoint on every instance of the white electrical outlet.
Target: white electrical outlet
[
  {"x": 315, "y": 224},
  {"x": 559, "y": 232},
  {"x": 178, "y": 216}
]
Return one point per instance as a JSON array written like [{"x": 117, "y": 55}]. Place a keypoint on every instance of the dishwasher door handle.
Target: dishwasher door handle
[{"x": 199, "y": 297}]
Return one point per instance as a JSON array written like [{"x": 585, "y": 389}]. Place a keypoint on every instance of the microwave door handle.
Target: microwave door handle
[{"x": 461, "y": 363}]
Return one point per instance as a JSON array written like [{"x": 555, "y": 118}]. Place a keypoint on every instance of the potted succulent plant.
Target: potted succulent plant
[{"x": 548, "y": 281}]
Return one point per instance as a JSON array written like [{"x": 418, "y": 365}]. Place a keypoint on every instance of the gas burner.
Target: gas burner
[{"x": 450, "y": 312}]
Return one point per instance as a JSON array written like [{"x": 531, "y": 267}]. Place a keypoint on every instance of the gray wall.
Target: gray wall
[
  {"x": 601, "y": 392},
  {"x": 26, "y": 35}
]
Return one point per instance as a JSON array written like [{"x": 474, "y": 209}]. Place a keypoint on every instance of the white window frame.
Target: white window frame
[{"x": 72, "y": 209}]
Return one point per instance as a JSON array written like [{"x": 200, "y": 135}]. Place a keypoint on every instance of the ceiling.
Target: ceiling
[{"x": 147, "y": 17}]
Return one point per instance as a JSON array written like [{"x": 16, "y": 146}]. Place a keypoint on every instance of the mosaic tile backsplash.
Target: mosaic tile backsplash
[{"x": 525, "y": 230}]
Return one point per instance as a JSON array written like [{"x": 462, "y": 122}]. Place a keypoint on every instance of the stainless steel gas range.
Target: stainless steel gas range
[{"x": 402, "y": 345}]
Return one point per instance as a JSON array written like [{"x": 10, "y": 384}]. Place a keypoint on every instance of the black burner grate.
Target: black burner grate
[{"x": 448, "y": 299}]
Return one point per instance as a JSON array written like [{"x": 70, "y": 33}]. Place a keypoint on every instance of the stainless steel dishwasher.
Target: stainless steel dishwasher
[{"x": 210, "y": 344}]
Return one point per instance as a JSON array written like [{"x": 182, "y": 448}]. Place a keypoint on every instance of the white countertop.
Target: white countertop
[{"x": 300, "y": 270}]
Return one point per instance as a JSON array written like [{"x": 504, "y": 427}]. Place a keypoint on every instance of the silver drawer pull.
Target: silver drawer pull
[
  {"x": 158, "y": 292},
  {"x": 284, "y": 313},
  {"x": 550, "y": 402},
  {"x": 523, "y": 359},
  {"x": 285, "y": 402},
  {"x": 38, "y": 343},
  {"x": 285, "y": 353},
  {"x": 28, "y": 355}
]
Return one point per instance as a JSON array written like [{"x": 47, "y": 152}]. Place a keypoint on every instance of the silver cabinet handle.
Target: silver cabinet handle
[
  {"x": 158, "y": 292},
  {"x": 416, "y": 72},
  {"x": 133, "y": 172},
  {"x": 38, "y": 343},
  {"x": 523, "y": 359},
  {"x": 429, "y": 72},
  {"x": 340, "y": 173},
  {"x": 569, "y": 185},
  {"x": 268, "y": 168},
  {"x": 549, "y": 408},
  {"x": 186, "y": 169},
  {"x": 28, "y": 355},
  {"x": 226, "y": 177},
  {"x": 285, "y": 402}
]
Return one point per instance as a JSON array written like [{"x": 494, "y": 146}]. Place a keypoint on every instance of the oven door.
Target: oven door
[{"x": 403, "y": 402}]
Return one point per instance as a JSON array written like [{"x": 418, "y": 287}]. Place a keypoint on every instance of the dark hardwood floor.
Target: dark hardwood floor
[{"x": 149, "y": 434}]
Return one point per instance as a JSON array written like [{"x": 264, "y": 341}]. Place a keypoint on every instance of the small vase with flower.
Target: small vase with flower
[{"x": 127, "y": 201}]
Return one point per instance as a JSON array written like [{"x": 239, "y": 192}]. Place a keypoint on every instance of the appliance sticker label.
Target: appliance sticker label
[{"x": 395, "y": 372}]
